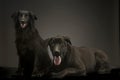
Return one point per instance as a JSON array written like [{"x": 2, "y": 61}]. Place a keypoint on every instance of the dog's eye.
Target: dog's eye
[
  {"x": 52, "y": 44},
  {"x": 20, "y": 15},
  {"x": 62, "y": 44},
  {"x": 26, "y": 15},
  {"x": 65, "y": 43}
]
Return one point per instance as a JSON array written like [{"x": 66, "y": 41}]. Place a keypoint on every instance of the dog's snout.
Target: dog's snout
[
  {"x": 23, "y": 18},
  {"x": 57, "y": 53},
  {"x": 57, "y": 50},
  {"x": 22, "y": 21}
]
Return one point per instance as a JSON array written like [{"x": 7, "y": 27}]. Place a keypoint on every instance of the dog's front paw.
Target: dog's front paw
[
  {"x": 38, "y": 75},
  {"x": 56, "y": 75},
  {"x": 103, "y": 71},
  {"x": 19, "y": 73}
]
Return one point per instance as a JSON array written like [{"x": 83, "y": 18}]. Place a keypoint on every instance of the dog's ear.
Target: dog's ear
[
  {"x": 14, "y": 15},
  {"x": 48, "y": 41},
  {"x": 33, "y": 16},
  {"x": 67, "y": 39}
]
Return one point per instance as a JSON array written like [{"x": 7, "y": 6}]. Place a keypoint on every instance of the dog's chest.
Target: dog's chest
[{"x": 25, "y": 45}]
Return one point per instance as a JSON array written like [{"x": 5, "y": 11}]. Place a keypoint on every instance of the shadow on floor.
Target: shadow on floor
[{"x": 6, "y": 73}]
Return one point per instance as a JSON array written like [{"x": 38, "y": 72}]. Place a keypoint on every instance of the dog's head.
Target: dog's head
[
  {"x": 23, "y": 18},
  {"x": 59, "y": 46}
]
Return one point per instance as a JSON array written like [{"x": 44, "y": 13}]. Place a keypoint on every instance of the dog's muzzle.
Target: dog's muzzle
[
  {"x": 57, "y": 58},
  {"x": 23, "y": 24}
]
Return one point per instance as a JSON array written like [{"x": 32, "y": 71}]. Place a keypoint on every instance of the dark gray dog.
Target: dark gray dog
[
  {"x": 71, "y": 60},
  {"x": 31, "y": 48}
]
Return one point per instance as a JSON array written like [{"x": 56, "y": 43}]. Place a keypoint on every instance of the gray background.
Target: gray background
[{"x": 90, "y": 23}]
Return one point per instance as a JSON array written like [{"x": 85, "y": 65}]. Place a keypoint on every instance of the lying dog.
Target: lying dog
[
  {"x": 31, "y": 48},
  {"x": 71, "y": 60}
]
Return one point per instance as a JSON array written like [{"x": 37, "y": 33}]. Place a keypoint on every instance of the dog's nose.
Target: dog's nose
[
  {"x": 57, "y": 53},
  {"x": 22, "y": 21}
]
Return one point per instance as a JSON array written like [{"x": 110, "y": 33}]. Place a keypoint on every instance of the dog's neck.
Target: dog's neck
[
  {"x": 68, "y": 57},
  {"x": 30, "y": 32}
]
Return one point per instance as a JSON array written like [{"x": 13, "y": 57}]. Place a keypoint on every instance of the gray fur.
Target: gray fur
[{"x": 77, "y": 60}]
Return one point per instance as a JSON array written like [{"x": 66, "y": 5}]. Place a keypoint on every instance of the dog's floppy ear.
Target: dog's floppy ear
[
  {"x": 33, "y": 15},
  {"x": 67, "y": 39},
  {"x": 48, "y": 41},
  {"x": 15, "y": 14}
]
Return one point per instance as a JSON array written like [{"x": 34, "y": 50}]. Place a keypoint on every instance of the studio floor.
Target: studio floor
[{"x": 6, "y": 73}]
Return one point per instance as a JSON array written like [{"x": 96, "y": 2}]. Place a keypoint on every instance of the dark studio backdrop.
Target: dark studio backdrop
[{"x": 90, "y": 23}]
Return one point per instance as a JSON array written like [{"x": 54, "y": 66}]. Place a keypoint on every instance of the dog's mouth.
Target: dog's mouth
[
  {"x": 57, "y": 60},
  {"x": 23, "y": 24}
]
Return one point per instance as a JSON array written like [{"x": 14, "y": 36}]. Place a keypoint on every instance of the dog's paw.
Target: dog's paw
[
  {"x": 103, "y": 71},
  {"x": 83, "y": 74},
  {"x": 19, "y": 73},
  {"x": 38, "y": 74},
  {"x": 56, "y": 75}
]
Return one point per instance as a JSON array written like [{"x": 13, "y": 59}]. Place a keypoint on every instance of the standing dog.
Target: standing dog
[
  {"x": 71, "y": 60},
  {"x": 31, "y": 48}
]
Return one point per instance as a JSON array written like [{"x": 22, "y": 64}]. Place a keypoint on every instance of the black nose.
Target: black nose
[
  {"x": 57, "y": 53},
  {"x": 22, "y": 21}
]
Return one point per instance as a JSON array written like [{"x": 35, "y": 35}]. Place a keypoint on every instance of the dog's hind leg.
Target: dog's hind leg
[{"x": 102, "y": 63}]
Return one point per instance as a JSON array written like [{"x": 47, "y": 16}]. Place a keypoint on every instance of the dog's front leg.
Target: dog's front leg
[
  {"x": 69, "y": 71},
  {"x": 37, "y": 66},
  {"x": 20, "y": 67}
]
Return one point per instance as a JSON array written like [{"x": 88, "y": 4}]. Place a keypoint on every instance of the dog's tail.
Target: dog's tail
[{"x": 102, "y": 62}]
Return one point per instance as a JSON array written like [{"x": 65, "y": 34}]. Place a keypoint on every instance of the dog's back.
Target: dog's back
[
  {"x": 86, "y": 55},
  {"x": 92, "y": 57}
]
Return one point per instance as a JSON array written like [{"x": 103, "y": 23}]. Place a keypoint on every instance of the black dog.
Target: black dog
[
  {"x": 31, "y": 48},
  {"x": 77, "y": 61}
]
